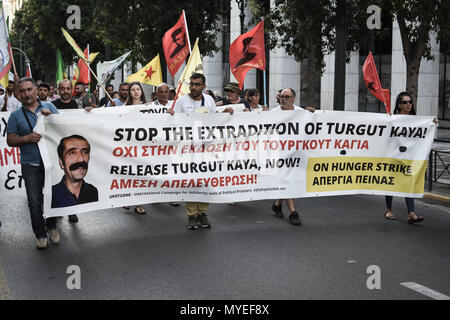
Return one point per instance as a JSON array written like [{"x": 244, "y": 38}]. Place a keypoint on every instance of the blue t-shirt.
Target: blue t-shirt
[
  {"x": 117, "y": 101},
  {"x": 29, "y": 152}
]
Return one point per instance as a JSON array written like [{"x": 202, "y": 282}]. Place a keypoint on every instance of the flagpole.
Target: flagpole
[
  {"x": 89, "y": 74},
  {"x": 12, "y": 60},
  {"x": 265, "y": 89},
  {"x": 182, "y": 80},
  {"x": 109, "y": 97},
  {"x": 187, "y": 31}
]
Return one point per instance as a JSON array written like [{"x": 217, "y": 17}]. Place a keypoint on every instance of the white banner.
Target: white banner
[
  {"x": 135, "y": 158},
  {"x": 11, "y": 181}
]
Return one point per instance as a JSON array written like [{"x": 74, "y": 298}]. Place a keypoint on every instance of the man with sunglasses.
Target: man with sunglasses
[
  {"x": 233, "y": 96},
  {"x": 287, "y": 99},
  {"x": 196, "y": 102}
]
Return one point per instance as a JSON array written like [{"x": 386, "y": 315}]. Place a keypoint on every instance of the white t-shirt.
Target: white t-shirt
[
  {"x": 11, "y": 104},
  {"x": 279, "y": 108},
  {"x": 188, "y": 105},
  {"x": 157, "y": 103}
]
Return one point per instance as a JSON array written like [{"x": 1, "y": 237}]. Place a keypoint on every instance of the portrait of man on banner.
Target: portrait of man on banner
[
  {"x": 73, "y": 157},
  {"x": 175, "y": 45},
  {"x": 179, "y": 38}
]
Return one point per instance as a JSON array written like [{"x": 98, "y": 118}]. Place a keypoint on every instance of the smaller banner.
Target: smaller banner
[{"x": 11, "y": 181}]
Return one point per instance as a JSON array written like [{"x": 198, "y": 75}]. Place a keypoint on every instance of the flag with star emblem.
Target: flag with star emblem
[{"x": 150, "y": 74}]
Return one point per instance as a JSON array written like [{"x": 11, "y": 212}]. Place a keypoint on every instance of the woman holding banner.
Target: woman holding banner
[
  {"x": 253, "y": 99},
  {"x": 404, "y": 105},
  {"x": 136, "y": 96}
]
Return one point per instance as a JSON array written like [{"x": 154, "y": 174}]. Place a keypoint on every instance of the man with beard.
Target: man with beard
[
  {"x": 20, "y": 134},
  {"x": 84, "y": 99},
  {"x": 66, "y": 102},
  {"x": 103, "y": 101},
  {"x": 65, "y": 91},
  {"x": 43, "y": 90},
  {"x": 74, "y": 154},
  {"x": 197, "y": 102},
  {"x": 123, "y": 96}
]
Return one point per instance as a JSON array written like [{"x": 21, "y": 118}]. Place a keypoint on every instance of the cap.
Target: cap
[{"x": 233, "y": 86}]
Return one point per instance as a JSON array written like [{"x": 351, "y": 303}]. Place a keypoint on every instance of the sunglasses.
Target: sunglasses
[
  {"x": 228, "y": 90},
  {"x": 406, "y": 102},
  {"x": 285, "y": 97}
]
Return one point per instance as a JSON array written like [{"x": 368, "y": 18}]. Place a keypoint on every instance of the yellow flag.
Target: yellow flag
[
  {"x": 85, "y": 73},
  {"x": 5, "y": 80},
  {"x": 194, "y": 65},
  {"x": 73, "y": 44},
  {"x": 150, "y": 74}
]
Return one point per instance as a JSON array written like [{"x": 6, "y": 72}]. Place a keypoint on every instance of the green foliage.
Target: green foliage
[
  {"x": 136, "y": 25},
  {"x": 302, "y": 25},
  {"x": 39, "y": 23}
]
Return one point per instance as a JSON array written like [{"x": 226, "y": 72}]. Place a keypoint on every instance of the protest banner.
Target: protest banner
[
  {"x": 11, "y": 181},
  {"x": 135, "y": 158}
]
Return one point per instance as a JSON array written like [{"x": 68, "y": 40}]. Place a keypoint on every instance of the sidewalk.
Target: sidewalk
[{"x": 440, "y": 192}]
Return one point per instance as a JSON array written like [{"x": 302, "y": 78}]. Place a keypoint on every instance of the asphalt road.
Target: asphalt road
[{"x": 247, "y": 254}]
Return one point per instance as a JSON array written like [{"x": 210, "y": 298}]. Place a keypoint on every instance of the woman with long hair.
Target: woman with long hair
[
  {"x": 404, "y": 105},
  {"x": 136, "y": 96},
  {"x": 253, "y": 97}
]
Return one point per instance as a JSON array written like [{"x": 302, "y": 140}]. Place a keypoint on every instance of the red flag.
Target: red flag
[
  {"x": 247, "y": 52},
  {"x": 81, "y": 73},
  {"x": 175, "y": 45},
  {"x": 29, "y": 71},
  {"x": 373, "y": 82}
]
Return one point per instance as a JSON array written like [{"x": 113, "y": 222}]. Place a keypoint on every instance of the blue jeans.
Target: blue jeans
[
  {"x": 409, "y": 203},
  {"x": 34, "y": 182}
]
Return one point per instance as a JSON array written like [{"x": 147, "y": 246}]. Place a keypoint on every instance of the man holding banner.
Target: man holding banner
[
  {"x": 287, "y": 99},
  {"x": 20, "y": 134},
  {"x": 196, "y": 102}
]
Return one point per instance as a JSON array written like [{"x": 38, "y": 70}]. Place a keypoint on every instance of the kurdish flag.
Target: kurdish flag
[{"x": 150, "y": 74}]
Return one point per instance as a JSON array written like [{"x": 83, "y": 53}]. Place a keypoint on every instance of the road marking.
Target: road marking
[
  {"x": 425, "y": 291},
  {"x": 4, "y": 292}
]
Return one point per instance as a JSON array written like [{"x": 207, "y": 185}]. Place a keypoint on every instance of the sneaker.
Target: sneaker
[
  {"x": 73, "y": 218},
  {"x": 203, "y": 220},
  {"x": 277, "y": 211},
  {"x": 294, "y": 218},
  {"x": 41, "y": 243},
  {"x": 53, "y": 234},
  {"x": 192, "y": 222}
]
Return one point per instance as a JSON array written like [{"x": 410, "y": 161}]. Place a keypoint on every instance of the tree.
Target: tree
[
  {"x": 39, "y": 23},
  {"x": 140, "y": 25},
  {"x": 136, "y": 25},
  {"x": 306, "y": 29},
  {"x": 416, "y": 20}
]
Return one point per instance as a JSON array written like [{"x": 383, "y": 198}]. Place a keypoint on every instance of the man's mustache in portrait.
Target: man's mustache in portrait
[{"x": 78, "y": 165}]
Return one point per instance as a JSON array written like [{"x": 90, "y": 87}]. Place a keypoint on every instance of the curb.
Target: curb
[
  {"x": 4, "y": 292},
  {"x": 437, "y": 197}
]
